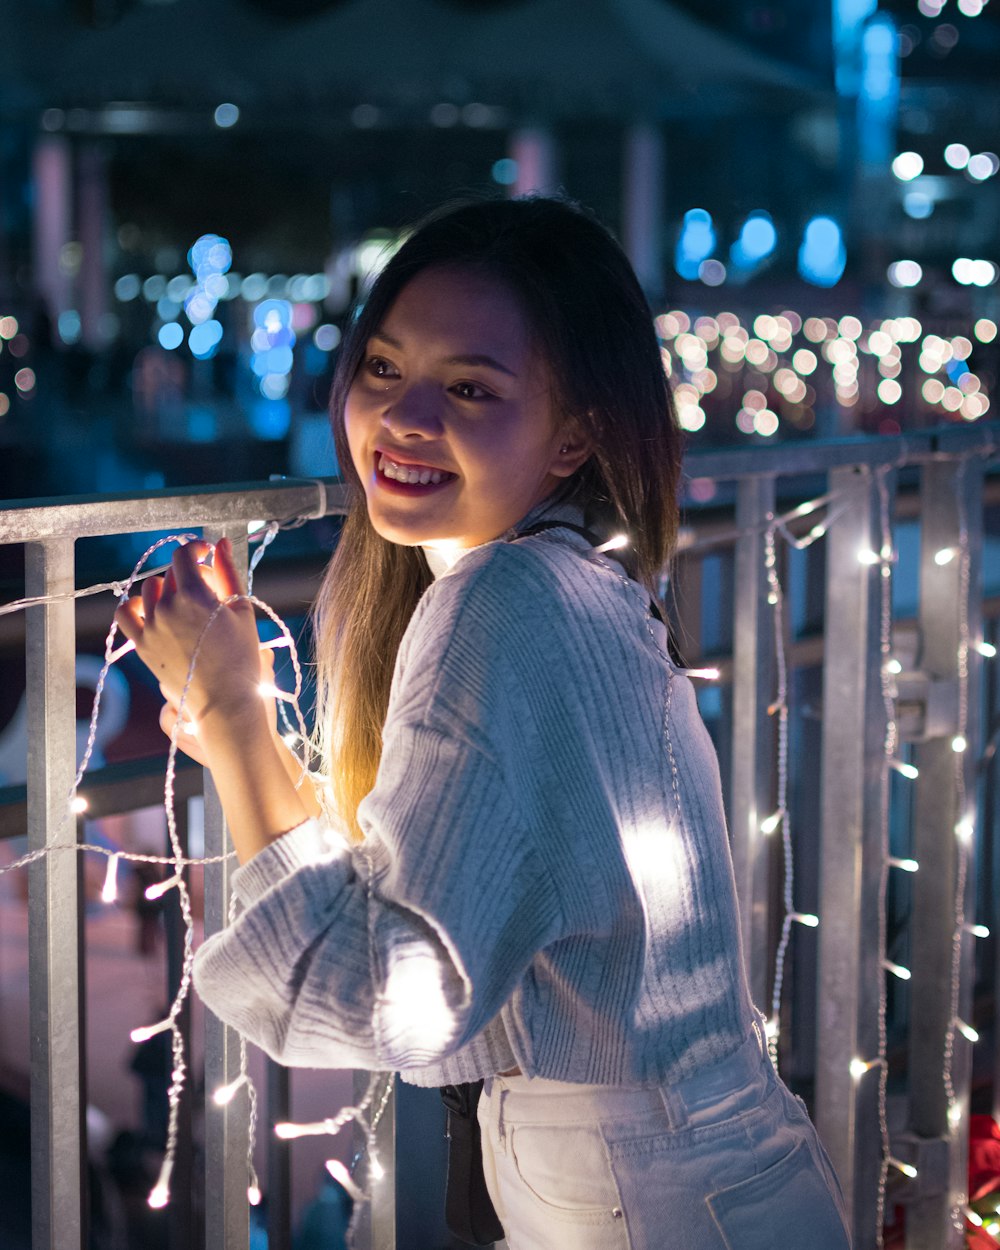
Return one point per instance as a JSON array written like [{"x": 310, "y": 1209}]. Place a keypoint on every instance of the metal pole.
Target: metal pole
[
  {"x": 58, "y": 1072},
  {"x": 753, "y": 730},
  {"x": 279, "y": 1159},
  {"x": 375, "y": 1224},
  {"x": 948, "y": 489},
  {"x": 852, "y": 854},
  {"x": 227, "y": 1217}
]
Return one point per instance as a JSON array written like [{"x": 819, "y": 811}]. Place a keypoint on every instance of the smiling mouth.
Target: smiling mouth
[{"x": 410, "y": 474}]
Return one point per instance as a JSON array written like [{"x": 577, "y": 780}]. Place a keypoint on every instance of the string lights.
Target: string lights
[{"x": 177, "y": 862}]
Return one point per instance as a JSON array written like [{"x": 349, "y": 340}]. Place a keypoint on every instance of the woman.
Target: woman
[{"x": 522, "y": 873}]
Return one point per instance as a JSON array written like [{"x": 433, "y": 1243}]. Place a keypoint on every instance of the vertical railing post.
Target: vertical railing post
[
  {"x": 58, "y": 1085},
  {"x": 375, "y": 1223},
  {"x": 951, "y": 500},
  {"x": 227, "y": 1218},
  {"x": 852, "y": 853},
  {"x": 752, "y": 777}
]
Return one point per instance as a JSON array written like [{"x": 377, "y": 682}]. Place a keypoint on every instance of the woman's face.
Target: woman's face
[{"x": 450, "y": 419}]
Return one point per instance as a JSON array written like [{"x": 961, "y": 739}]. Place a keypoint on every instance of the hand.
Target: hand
[{"x": 180, "y": 612}]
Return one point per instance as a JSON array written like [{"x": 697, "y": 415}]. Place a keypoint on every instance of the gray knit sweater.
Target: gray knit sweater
[{"x": 545, "y": 878}]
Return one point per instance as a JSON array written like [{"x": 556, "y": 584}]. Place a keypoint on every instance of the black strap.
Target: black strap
[{"x": 469, "y": 1212}]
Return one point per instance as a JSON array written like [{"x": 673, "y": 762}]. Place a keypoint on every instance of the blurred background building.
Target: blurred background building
[{"x": 192, "y": 194}]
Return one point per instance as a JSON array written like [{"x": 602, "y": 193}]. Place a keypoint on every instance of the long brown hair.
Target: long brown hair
[{"x": 594, "y": 329}]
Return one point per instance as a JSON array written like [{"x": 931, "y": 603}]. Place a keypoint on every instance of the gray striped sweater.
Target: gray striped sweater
[{"x": 545, "y": 878}]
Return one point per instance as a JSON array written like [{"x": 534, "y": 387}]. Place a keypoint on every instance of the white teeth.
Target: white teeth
[{"x": 404, "y": 473}]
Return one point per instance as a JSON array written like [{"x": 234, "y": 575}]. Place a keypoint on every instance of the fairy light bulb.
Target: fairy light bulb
[
  {"x": 290, "y": 739},
  {"x": 858, "y": 1067},
  {"x": 867, "y": 556},
  {"x": 964, "y": 830},
  {"x": 986, "y": 648},
  {"x": 806, "y": 918},
  {"x": 910, "y": 771},
  {"x": 78, "y": 804},
  {"x": 614, "y": 543},
  {"x": 376, "y": 1170},
  {"x": 906, "y": 1168},
  {"x": 955, "y": 1114},
  {"x": 973, "y": 1218},
  {"x": 959, "y": 743},
  {"x": 905, "y": 865},
  {"x": 706, "y": 674},
  {"x": 160, "y": 1194},
  {"x": 977, "y": 930},
  {"x": 967, "y": 1031},
  {"x": 159, "y": 888},
  {"x": 944, "y": 556},
  {"x": 109, "y": 891},
  {"x": 146, "y": 1031},
  {"x": 254, "y": 1196},
  {"x": 894, "y": 667},
  {"x": 226, "y": 1093},
  {"x": 897, "y": 970},
  {"x": 770, "y": 823}
]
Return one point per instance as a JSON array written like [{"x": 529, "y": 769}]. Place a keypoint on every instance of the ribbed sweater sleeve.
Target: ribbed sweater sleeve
[{"x": 396, "y": 953}]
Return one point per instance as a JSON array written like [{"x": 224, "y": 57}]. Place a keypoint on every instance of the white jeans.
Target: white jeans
[{"x": 725, "y": 1160}]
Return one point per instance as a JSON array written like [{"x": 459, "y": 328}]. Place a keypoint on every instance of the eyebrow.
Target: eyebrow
[{"x": 472, "y": 358}]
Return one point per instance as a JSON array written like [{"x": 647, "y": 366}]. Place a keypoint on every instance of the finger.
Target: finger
[
  {"x": 129, "y": 618},
  {"x": 225, "y": 569},
  {"x": 152, "y": 589},
  {"x": 187, "y": 572},
  {"x": 187, "y": 739}
]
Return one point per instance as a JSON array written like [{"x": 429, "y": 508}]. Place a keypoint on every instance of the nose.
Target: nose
[{"x": 413, "y": 413}]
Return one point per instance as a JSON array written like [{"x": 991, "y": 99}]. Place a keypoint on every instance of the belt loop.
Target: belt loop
[
  {"x": 673, "y": 1105},
  {"x": 501, "y": 1126}
]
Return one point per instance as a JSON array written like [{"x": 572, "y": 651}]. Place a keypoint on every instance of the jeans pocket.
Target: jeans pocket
[
  {"x": 565, "y": 1170},
  {"x": 759, "y": 1213}
]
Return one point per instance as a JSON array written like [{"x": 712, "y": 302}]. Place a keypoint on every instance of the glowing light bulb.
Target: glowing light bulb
[
  {"x": 806, "y": 918},
  {"x": 376, "y": 1169},
  {"x": 160, "y": 1194},
  {"x": 770, "y": 823},
  {"x": 897, "y": 970},
  {"x": 992, "y": 1228},
  {"x": 614, "y": 543},
  {"x": 341, "y": 1175},
  {"x": 146, "y": 1031},
  {"x": 955, "y": 1114},
  {"x": 905, "y": 770},
  {"x": 906, "y": 1168},
  {"x": 858, "y": 1067},
  {"x": 706, "y": 674},
  {"x": 254, "y": 1195},
  {"x": 286, "y": 1131},
  {"x": 273, "y": 644},
  {"x": 78, "y": 804},
  {"x": 894, "y": 666},
  {"x": 944, "y": 556},
  {"x": 972, "y": 1217},
  {"x": 977, "y": 930},
  {"x": 959, "y": 743},
  {"x": 159, "y": 1197},
  {"x": 964, "y": 830},
  {"x": 268, "y": 690},
  {"x": 110, "y": 890},
  {"x": 159, "y": 888},
  {"x": 987, "y": 649},
  {"x": 226, "y": 1093},
  {"x": 290, "y": 739},
  {"x": 907, "y": 865},
  {"x": 967, "y": 1031},
  {"x": 867, "y": 556}
]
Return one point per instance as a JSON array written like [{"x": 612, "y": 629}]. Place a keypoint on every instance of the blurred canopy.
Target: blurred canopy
[{"x": 527, "y": 58}]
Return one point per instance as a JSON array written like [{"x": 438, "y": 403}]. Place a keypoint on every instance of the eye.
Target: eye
[
  {"x": 471, "y": 390},
  {"x": 379, "y": 367}
]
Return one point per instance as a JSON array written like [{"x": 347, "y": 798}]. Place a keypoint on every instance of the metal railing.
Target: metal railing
[{"x": 863, "y": 476}]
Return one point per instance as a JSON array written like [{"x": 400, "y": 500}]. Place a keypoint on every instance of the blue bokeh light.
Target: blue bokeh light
[
  {"x": 822, "y": 255},
  {"x": 695, "y": 244}
]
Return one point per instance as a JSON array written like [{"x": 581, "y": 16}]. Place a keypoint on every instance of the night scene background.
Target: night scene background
[{"x": 194, "y": 194}]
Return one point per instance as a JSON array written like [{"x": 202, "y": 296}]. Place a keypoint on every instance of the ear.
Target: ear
[{"x": 572, "y": 449}]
